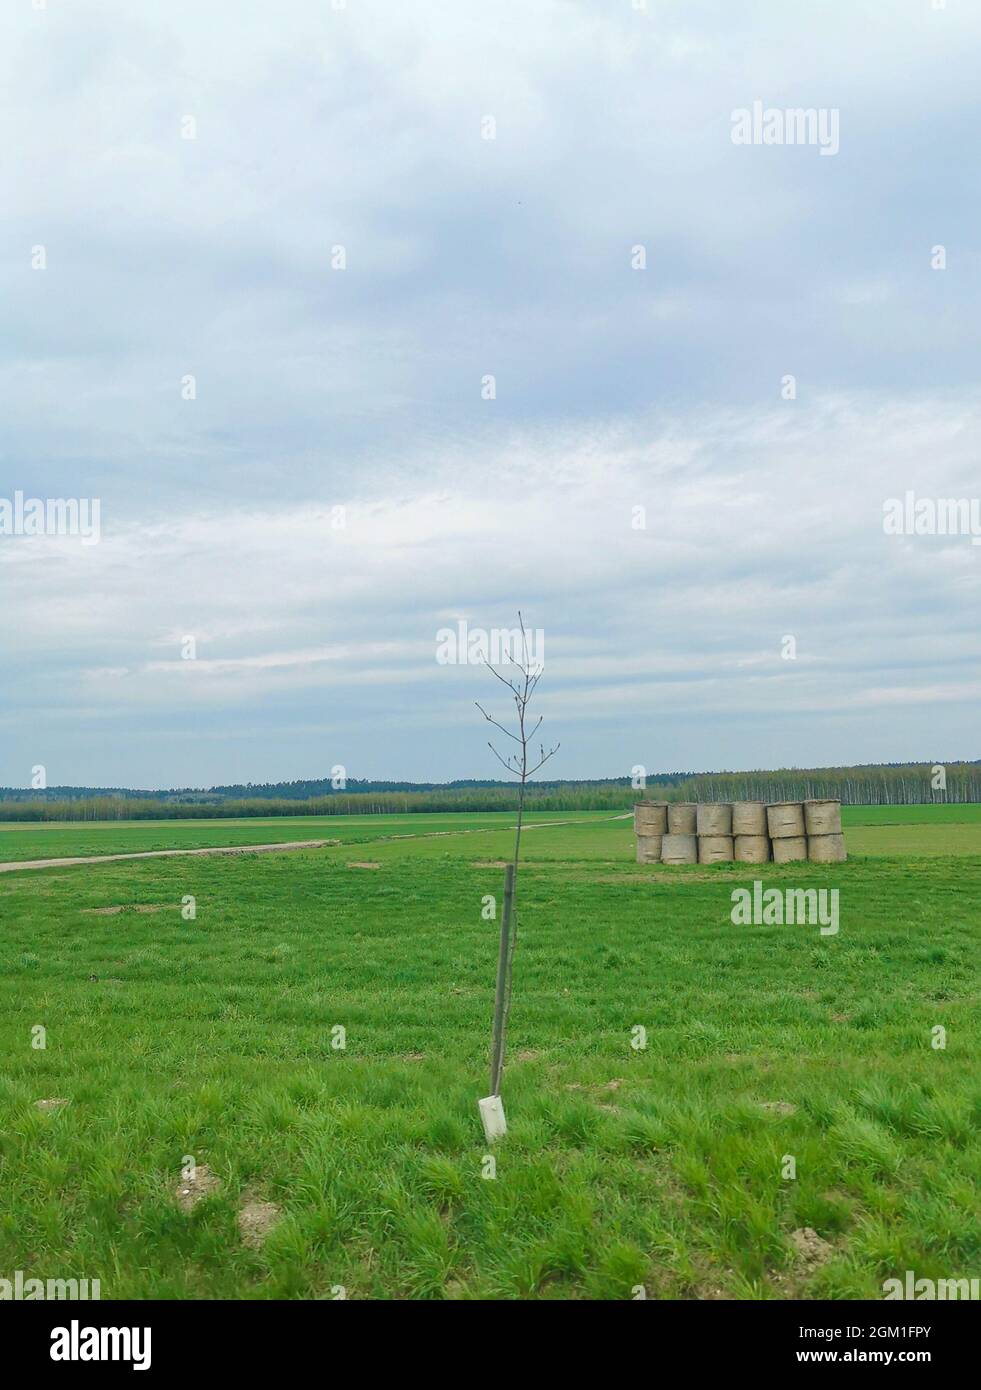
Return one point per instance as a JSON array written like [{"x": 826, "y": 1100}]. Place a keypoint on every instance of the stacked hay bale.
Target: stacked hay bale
[
  {"x": 825, "y": 842},
  {"x": 713, "y": 821},
  {"x": 650, "y": 823},
  {"x": 751, "y": 837},
  {"x": 785, "y": 822},
  {"x": 680, "y": 844},
  {"x": 750, "y": 832}
]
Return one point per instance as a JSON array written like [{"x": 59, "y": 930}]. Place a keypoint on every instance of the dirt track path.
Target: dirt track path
[
  {"x": 11, "y": 865},
  {"x": 161, "y": 854}
]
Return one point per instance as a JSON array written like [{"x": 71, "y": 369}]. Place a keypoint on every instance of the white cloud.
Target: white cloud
[{"x": 616, "y": 388}]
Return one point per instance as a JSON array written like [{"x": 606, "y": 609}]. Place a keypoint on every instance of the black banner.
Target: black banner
[{"x": 181, "y": 1338}]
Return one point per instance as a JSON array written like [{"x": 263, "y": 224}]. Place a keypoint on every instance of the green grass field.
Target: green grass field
[
  {"x": 872, "y": 830},
  {"x": 660, "y": 1167},
  {"x": 61, "y": 839}
]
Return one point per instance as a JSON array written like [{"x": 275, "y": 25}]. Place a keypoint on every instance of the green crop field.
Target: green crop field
[
  {"x": 215, "y": 1038},
  {"x": 61, "y": 839}
]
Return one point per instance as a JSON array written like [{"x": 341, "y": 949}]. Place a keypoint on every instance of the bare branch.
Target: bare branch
[
  {"x": 522, "y": 687},
  {"x": 504, "y": 761},
  {"x": 495, "y": 723},
  {"x": 494, "y": 672},
  {"x": 551, "y": 753}
]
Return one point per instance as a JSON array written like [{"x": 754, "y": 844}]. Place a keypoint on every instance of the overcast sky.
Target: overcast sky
[{"x": 365, "y": 126}]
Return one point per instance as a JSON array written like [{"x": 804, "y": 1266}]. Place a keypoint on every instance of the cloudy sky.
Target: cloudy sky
[{"x": 644, "y": 484}]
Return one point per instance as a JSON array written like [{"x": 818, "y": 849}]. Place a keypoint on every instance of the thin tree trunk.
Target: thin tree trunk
[{"x": 503, "y": 990}]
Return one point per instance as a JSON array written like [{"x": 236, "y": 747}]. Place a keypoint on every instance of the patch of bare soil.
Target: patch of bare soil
[
  {"x": 489, "y": 864},
  {"x": 190, "y": 1191},
  {"x": 255, "y": 1221},
  {"x": 101, "y": 911},
  {"x": 811, "y": 1249},
  {"x": 778, "y": 1107},
  {"x": 529, "y": 1054},
  {"x": 810, "y": 1253},
  {"x": 55, "y": 1103},
  {"x": 367, "y": 864}
]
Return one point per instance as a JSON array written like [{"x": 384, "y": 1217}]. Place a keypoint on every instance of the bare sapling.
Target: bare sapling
[{"x": 521, "y": 679}]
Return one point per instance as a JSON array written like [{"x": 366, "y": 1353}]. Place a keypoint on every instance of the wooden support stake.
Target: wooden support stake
[{"x": 501, "y": 991}]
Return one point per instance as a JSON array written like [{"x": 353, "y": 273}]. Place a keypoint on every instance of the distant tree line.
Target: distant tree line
[
  {"x": 873, "y": 785},
  {"x": 287, "y": 791}
]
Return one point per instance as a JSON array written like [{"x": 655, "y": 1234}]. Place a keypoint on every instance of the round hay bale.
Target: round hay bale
[
  {"x": 749, "y": 818},
  {"x": 785, "y": 820},
  {"x": 714, "y": 849},
  {"x": 822, "y": 817},
  {"x": 826, "y": 849},
  {"x": 788, "y": 848},
  {"x": 751, "y": 849},
  {"x": 714, "y": 818},
  {"x": 679, "y": 849},
  {"x": 649, "y": 849},
  {"x": 650, "y": 817},
  {"x": 682, "y": 818}
]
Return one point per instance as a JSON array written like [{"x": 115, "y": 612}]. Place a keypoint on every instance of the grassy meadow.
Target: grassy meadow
[
  {"x": 663, "y": 1167},
  {"x": 62, "y": 839}
]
